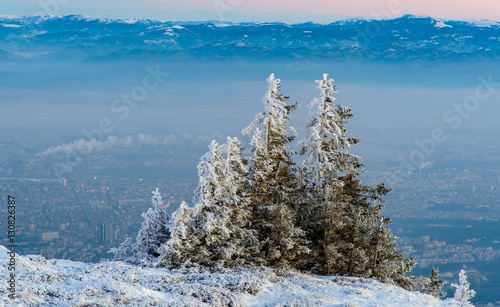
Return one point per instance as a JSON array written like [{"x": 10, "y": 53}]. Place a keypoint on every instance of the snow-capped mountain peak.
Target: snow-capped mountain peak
[{"x": 96, "y": 39}]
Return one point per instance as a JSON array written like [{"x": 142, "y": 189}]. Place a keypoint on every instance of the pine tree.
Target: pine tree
[
  {"x": 274, "y": 184},
  {"x": 221, "y": 216},
  {"x": 155, "y": 230},
  {"x": 343, "y": 216},
  {"x": 179, "y": 248},
  {"x": 125, "y": 252},
  {"x": 463, "y": 294},
  {"x": 433, "y": 285},
  {"x": 210, "y": 216},
  {"x": 364, "y": 245},
  {"x": 325, "y": 144},
  {"x": 436, "y": 284},
  {"x": 244, "y": 240},
  {"x": 352, "y": 235}
]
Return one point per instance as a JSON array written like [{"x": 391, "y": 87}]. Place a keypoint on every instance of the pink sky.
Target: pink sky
[
  {"x": 205, "y": 9},
  {"x": 469, "y": 9}
]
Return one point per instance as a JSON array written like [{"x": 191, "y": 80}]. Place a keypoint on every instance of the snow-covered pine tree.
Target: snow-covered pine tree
[
  {"x": 125, "y": 252},
  {"x": 350, "y": 237},
  {"x": 244, "y": 240},
  {"x": 436, "y": 284},
  {"x": 221, "y": 232},
  {"x": 342, "y": 215},
  {"x": 274, "y": 184},
  {"x": 326, "y": 145},
  {"x": 463, "y": 294},
  {"x": 433, "y": 285},
  {"x": 325, "y": 142},
  {"x": 209, "y": 217},
  {"x": 364, "y": 245},
  {"x": 178, "y": 249},
  {"x": 154, "y": 232}
]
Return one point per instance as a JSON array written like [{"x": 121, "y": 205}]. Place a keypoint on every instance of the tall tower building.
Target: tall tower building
[{"x": 107, "y": 232}]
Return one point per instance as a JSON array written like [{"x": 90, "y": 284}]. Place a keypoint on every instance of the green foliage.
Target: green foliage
[
  {"x": 265, "y": 210},
  {"x": 341, "y": 215},
  {"x": 433, "y": 285},
  {"x": 274, "y": 185}
]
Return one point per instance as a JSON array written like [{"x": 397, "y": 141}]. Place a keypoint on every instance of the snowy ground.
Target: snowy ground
[{"x": 44, "y": 282}]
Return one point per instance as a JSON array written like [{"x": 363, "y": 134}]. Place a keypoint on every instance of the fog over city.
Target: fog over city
[{"x": 97, "y": 113}]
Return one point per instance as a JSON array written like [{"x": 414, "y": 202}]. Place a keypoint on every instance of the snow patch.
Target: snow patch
[
  {"x": 417, "y": 16},
  {"x": 441, "y": 24},
  {"x": 68, "y": 283},
  {"x": 9, "y": 17},
  {"x": 482, "y": 23},
  {"x": 132, "y": 20},
  {"x": 9, "y": 25}
]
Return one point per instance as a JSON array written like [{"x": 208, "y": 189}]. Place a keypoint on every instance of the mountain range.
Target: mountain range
[{"x": 84, "y": 39}]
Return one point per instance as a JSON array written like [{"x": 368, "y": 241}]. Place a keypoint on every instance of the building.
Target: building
[{"x": 107, "y": 232}]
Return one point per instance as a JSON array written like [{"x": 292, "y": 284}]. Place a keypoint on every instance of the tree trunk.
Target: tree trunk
[
  {"x": 268, "y": 135},
  {"x": 376, "y": 254}
]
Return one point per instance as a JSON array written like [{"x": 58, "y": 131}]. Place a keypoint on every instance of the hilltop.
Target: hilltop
[{"x": 52, "y": 282}]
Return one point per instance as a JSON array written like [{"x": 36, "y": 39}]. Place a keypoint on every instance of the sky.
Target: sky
[{"x": 291, "y": 11}]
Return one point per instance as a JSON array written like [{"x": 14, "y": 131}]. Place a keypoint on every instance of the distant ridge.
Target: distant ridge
[
  {"x": 402, "y": 39},
  {"x": 80, "y": 17}
]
